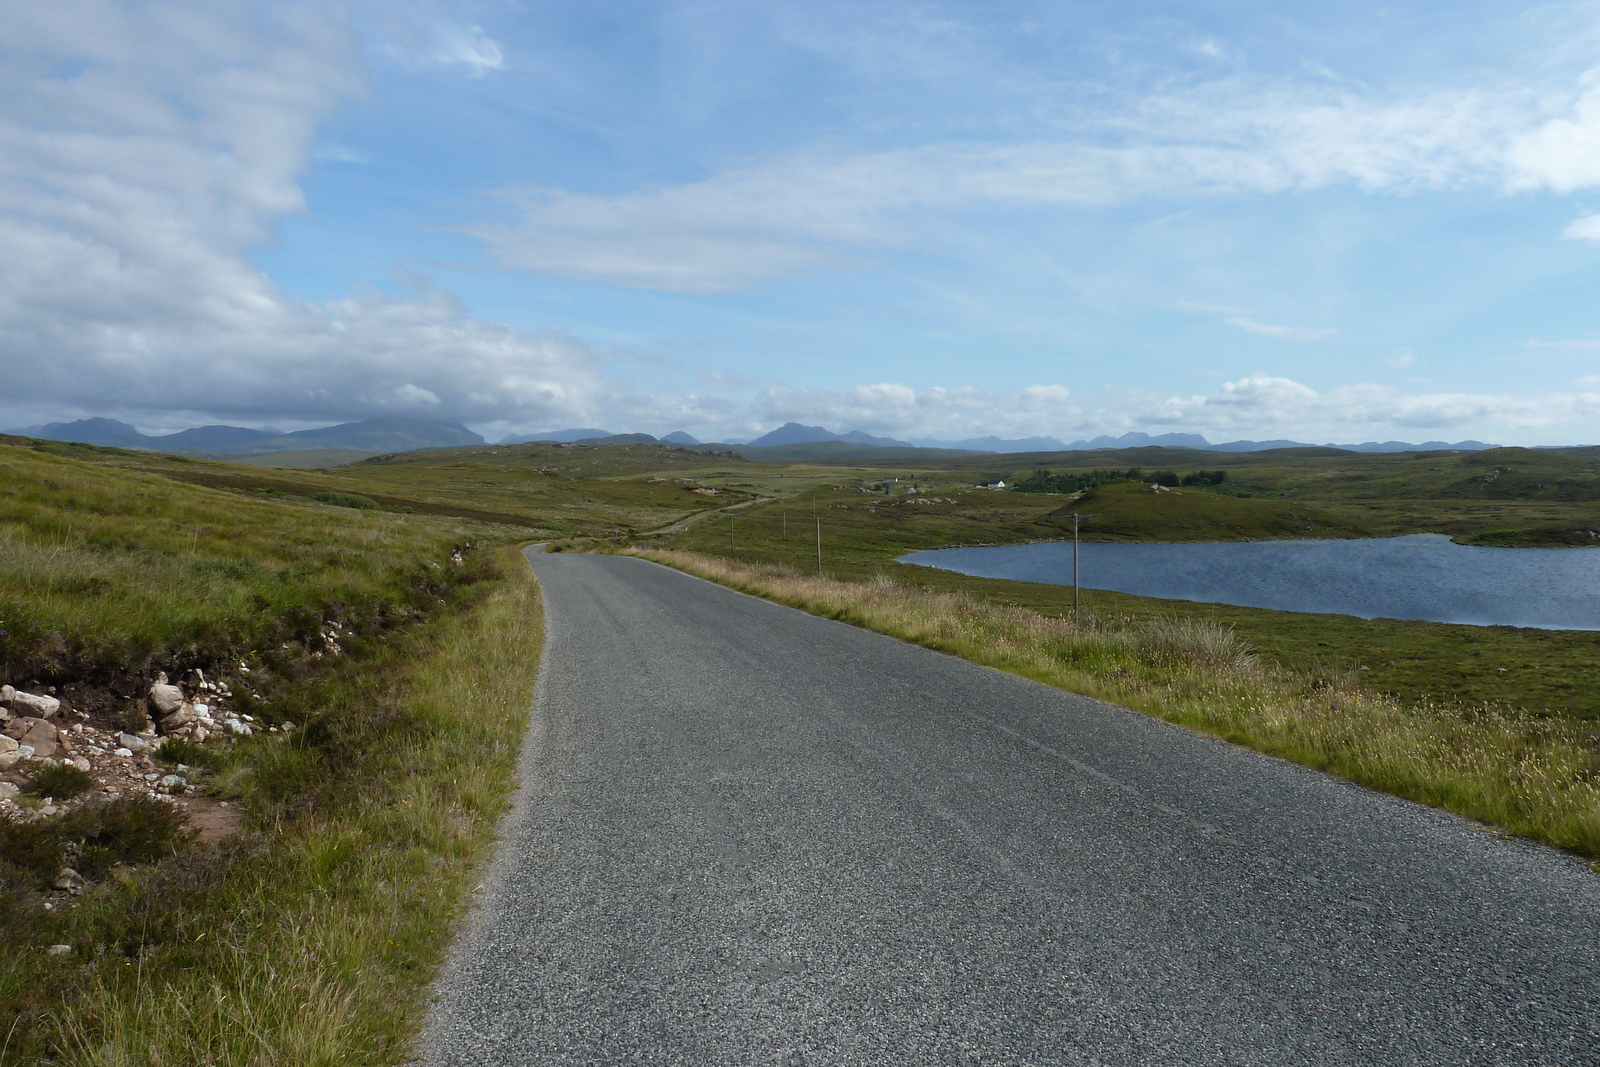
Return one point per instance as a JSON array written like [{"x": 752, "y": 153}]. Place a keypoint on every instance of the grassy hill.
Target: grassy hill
[{"x": 1135, "y": 511}]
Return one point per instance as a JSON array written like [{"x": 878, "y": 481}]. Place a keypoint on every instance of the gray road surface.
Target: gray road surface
[{"x": 747, "y": 835}]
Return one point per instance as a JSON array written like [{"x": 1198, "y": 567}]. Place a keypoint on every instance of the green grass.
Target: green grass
[
  {"x": 1132, "y": 511},
  {"x": 309, "y": 939},
  {"x": 106, "y": 572}
]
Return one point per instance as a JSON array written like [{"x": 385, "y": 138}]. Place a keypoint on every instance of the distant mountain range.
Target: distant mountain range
[
  {"x": 370, "y": 435},
  {"x": 408, "y": 435}
]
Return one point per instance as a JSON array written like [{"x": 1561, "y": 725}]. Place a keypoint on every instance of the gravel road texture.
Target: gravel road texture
[{"x": 747, "y": 835}]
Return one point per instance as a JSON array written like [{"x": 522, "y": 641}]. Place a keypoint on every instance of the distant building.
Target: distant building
[{"x": 995, "y": 485}]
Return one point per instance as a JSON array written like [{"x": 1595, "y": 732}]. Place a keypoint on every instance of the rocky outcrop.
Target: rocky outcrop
[
  {"x": 36, "y": 705},
  {"x": 38, "y": 730}
]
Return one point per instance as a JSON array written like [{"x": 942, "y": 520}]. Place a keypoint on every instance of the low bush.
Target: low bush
[
  {"x": 345, "y": 500},
  {"x": 62, "y": 781}
]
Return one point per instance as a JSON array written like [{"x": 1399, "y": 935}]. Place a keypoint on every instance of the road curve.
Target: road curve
[{"x": 747, "y": 835}]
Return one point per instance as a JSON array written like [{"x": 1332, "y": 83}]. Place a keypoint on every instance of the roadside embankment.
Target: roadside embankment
[
  {"x": 1536, "y": 777},
  {"x": 310, "y": 936}
]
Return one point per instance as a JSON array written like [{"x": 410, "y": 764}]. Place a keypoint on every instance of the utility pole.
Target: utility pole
[
  {"x": 819, "y": 548},
  {"x": 1075, "y": 518}
]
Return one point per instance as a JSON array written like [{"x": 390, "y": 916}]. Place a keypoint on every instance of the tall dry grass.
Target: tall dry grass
[{"x": 1536, "y": 777}]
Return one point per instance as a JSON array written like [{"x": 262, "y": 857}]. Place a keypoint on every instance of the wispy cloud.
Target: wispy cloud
[
  {"x": 466, "y": 46},
  {"x": 744, "y": 224},
  {"x": 1246, "y": 321},
  {"x": 338, "y": 153},
  {"x": 1259, "y": 404},
  {"x": 1584, "y": 229}
]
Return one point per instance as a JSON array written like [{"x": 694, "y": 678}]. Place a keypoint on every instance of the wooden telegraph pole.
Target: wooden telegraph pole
[{"x": 1075, "y": 518}]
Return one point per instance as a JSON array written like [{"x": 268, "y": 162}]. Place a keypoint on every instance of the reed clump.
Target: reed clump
[{"x": 1532, "y": 776}]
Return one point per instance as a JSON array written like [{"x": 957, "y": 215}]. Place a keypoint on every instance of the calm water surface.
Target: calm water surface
[{"x": 1424, "y": 576}]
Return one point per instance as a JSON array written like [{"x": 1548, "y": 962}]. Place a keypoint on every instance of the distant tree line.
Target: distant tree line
[{"x": 1042, "y": 481}]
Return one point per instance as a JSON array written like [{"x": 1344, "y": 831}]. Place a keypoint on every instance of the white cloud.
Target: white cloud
[
  {"x": 1246, "y": 321},
  {"x": 415, "y": 396},
  {"x": 467, "y": 46},
  {"x": 1267, "y": 405},
  {"x": 1584, "y": 229},
  {"x": 133, "y": 189},
  {"x": 338, "y": 153},
  {"x": 764, "y": 219},
  {"x": 416, "y": 35}
]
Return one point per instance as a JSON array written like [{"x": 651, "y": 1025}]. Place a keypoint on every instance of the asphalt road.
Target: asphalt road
[{"x": 747, "y": 835}]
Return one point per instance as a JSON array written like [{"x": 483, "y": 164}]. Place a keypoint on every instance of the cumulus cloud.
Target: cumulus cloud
[{"x": 134, "y": 185}]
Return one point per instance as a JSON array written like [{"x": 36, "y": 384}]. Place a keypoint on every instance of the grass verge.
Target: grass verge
[
  {"x": 1533, "y": 776},
  {"x": 308, "y": 939}
]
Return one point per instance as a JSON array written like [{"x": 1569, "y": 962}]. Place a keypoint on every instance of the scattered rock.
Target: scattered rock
[
  {"x": 132, "y": 742},
  {"x": 181, "y": 716},
  {"x": 172, "y": 783},
  {"x": 69, "y": 879},
  {"x": 124, "y": 752},
  {"x": 239, "y": 727},
  {"x": 58, "y": 950},
  {"x": 41, "y": 735},
  {"x": 34, "y": 704},
  {"x": 8, "y": 790},
  {"x": 82, "y": 764},
  {"x": 165, "y": 698}
]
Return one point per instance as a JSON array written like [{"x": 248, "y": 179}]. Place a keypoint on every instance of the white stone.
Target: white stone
[
  {"x": 240, "y": 728},
  {"x": 125, "y": 753},
  {"x": 58, "y": 950},
  {"x": 8, "y": 790},
  {"x": 133, "y": 741},
  {"x": 165, "y": 698},
  {"x": 82, "y": 764},
  {"x": 35, "y": 704},
  {"x": 24, "y": 752}
]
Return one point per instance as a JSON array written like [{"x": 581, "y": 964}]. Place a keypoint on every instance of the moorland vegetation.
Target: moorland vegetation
[{"x": 303, "y": 924}]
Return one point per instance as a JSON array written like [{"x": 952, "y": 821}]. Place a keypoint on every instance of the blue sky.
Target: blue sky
[{"x": 929, "y": 220}]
